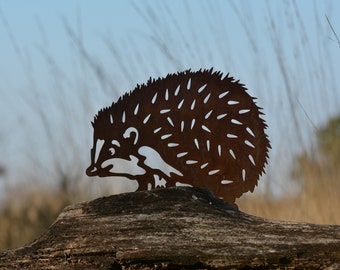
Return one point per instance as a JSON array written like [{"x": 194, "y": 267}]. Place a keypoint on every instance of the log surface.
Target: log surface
[{"x": 174, "y": 228}]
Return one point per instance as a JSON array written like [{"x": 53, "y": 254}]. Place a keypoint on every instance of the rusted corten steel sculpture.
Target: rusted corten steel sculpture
[{"x": 198, "y": 128}]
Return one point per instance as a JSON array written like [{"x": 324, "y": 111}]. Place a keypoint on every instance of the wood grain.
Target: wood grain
[{"x": 174, "y": 228}]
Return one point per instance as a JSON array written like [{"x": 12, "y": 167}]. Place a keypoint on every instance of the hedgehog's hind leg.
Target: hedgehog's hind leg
[
  {"x": 230, "y": 201},
  {"x": 233, "y": 205}
]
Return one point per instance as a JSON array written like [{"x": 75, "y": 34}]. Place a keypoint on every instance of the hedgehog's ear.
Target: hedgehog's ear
[{"x": 128, "y": 134}]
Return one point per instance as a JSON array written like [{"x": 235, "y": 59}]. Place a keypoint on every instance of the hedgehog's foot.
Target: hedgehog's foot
[{"x": 159, "y": 181}]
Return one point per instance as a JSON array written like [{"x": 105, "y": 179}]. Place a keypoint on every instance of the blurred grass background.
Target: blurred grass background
[{"x": 305, "y": 133}]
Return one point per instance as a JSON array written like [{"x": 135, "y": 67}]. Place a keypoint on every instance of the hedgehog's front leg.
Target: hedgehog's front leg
[
  {"x": 159, "y": 181},
  {"x": 158, "y": 170},
  {"x": 146, "y": 182},
  {"x": 151, "y": 181}
]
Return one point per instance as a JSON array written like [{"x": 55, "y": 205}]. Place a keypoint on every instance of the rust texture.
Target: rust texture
[{"x": 197, "y": 128}]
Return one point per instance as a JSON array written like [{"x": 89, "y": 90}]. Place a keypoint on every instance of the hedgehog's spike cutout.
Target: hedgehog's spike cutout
[
  {"x": 136, "y": 109},
  {"x": 231, "y": 136},
  {"x": 208, "y": 145},
  {"x": 200, "y": 90},
  {"x": 198, "y": 128},
  {"x": 236, "y": 122},
  {"x": 197, "y": 143},
  {"x": 220, "y": 116},
  {"x": 250, "y": 131},
  {"x": 192, "y": 107},
  {"x": 204, "y": 165},
  {"x": 172, "y": 144},
  {"x": 213, "y": 172},
  {"x": 243, "y": 111},
  {"x": 251, "y": 159},
  {"x": 123, "y": 117},
  {"x": 165, "y": 136},
  {"x": 182, "y": 126},
  {"x": 180, "y": 104},
  {"x": 146, "y": 119},
  {"x": 219, "y": 150},
  {"x": 232, "y": 153},
  {"x": 233, "y": 102},
  {"x": 193, "y": 121},
  {"x": 208, "y": 115},
  {"x": 223, "y": 94},
  {"x": 157, "y": 129},
  {"x": 243, "y": 174},
  {"x": 177, "y": 90},
  {"x": 165, "y": 111},
  {"x": 249, "y": 143},
  {"x": 205, "y": 128},
  {"x": 226, "y": 182},
  {"x": 179, "y": 155},
  {"x": 206, "y": 99},
  {"x": 189, "y": 84},
  {"x": 166, "y": 94},
  {"x": 170, "y": 121},
  {"x": 154, "y": 98}
]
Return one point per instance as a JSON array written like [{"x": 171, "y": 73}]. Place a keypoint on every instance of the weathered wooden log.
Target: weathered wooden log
[{"x": 174, "y": 228}]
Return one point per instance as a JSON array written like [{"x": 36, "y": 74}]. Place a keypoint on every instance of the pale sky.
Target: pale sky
[{"x": 43, "y": 69}]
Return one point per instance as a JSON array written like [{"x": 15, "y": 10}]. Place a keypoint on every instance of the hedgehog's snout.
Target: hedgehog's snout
[{"x": 92, "y": 170}]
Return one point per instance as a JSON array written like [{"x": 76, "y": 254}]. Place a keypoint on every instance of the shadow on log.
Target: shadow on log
[{"x": 174, "y": 228}]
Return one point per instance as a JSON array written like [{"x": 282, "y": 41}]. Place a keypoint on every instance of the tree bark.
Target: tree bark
[{"x": 174, "y": 228}]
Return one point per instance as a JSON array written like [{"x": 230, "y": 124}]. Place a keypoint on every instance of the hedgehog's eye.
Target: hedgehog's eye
[
  {"x": 112, "y": 151},
  {"x": 114, "y": 144}
]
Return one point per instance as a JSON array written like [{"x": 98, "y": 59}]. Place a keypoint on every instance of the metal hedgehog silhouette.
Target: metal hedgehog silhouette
[{"x": 196, "y": 128}]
